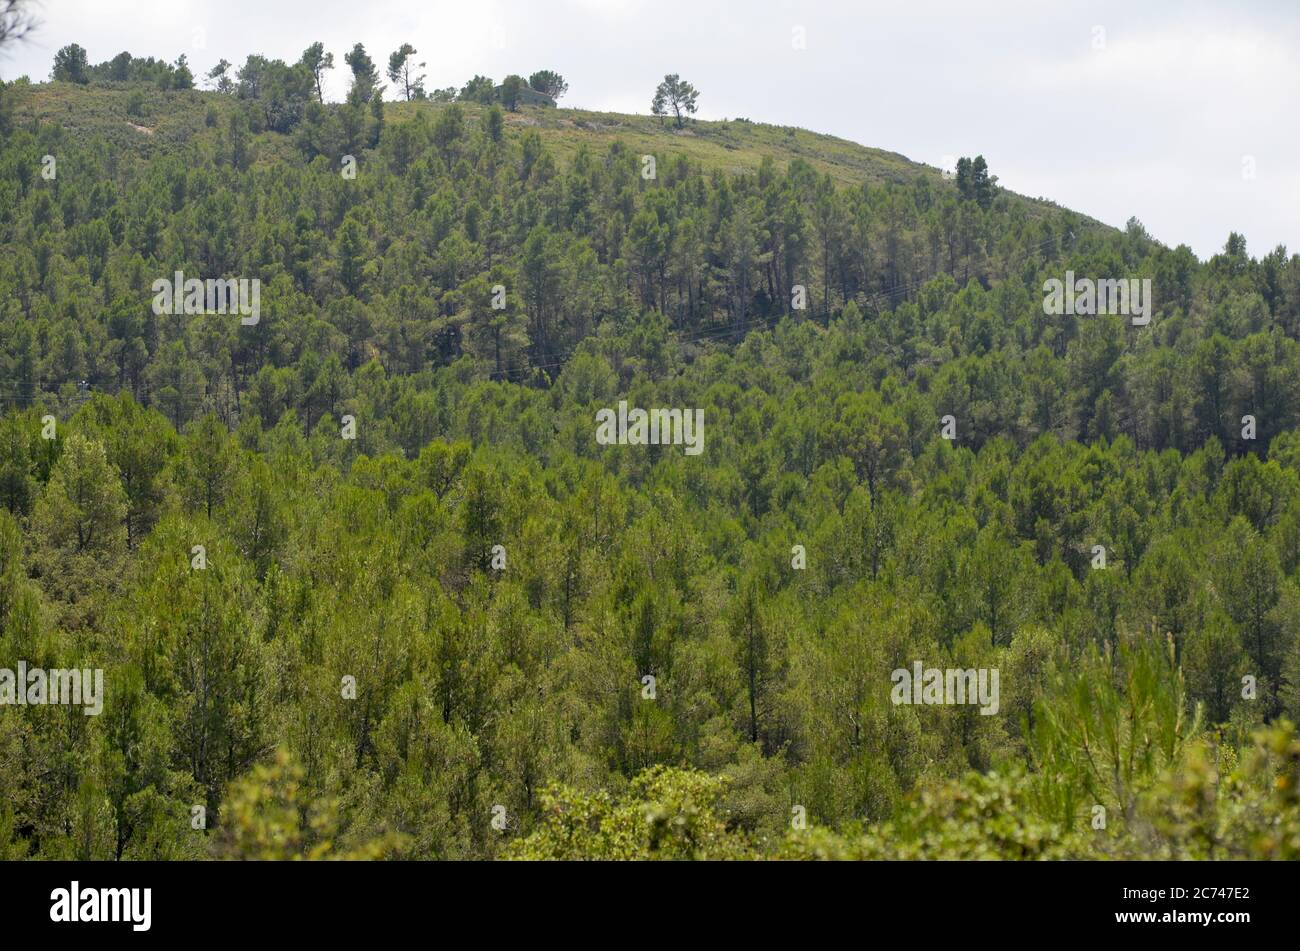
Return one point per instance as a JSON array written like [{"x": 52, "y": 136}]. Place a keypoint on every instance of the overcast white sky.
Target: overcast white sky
[{"x": 1159, "y": 115}]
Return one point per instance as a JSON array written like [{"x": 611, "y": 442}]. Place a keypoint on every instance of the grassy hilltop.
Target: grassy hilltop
[{"x": 164, "y": 119}]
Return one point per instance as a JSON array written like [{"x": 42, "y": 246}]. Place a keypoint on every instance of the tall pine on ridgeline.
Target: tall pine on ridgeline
[
  {"x": 317, "y": 61},
  {"x": 403, "y": 71},
  {"x": 676, "y": 96},
  {"x": 365, "y": 78}
]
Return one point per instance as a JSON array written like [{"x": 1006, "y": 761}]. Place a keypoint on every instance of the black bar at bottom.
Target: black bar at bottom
[{"x": 204, "y": 900}]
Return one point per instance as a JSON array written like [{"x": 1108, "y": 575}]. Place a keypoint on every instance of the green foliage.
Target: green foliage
[
  {"x": 978, "y": 818},
  {"x": 365, "y": 78},
  {"x": 70, "y": 65},
  {"x": 402, "y": 70},
  {"x": 676, "y": 95},
  {"x": 511, "y": 87},
  {"x": 548, "y": 82},
  {"x": 270, "y": 819},
  {"x": 1113, "y": 722},
  {"x": 974, "y": 182},
  {"x": 667, "y": 814},
  {"x": 1251, "y": 811},
  {"x": 480, "y": 89},
  {"x": 317, "y": 61}
]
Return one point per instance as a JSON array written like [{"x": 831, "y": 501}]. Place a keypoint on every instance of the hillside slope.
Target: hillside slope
[
  {"x": 364, "y": 575},
  {"x": 163, "y": 120}
]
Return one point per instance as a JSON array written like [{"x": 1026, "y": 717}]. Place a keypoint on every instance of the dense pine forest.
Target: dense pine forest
[{"x": 363, "y": 582}]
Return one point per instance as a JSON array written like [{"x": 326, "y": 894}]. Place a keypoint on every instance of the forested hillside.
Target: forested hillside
[{"x": 363, "y": 581}]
